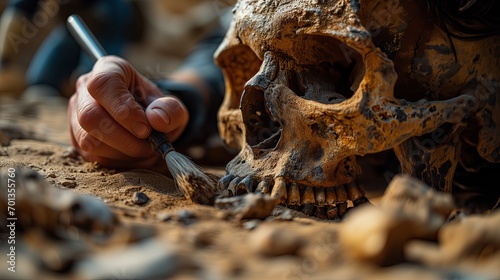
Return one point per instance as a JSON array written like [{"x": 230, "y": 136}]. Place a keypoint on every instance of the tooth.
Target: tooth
[
  {"x": 354, "y": 191},
  {"x": 307, "y": 196},
  {"x": 319, "y": 194},
  {"x": 341, "y": 194},
  {"x": 232, "y": 188},
  {"x": 279, "y": 190},
  {"x": 293, "y": 194},
  {"x": 331, "y": 197},
  {"x": 342, "y": 209},
  {"x": 332, "y": 212},
  {"x": 224, "y": 182},
  {"x": 246, "y": 185},
  {"x": 294, "y": 207},
  {"x": 308, "y": 209},
  {"x": 319, "y": 212},
  {"x": 263, "y": 187}
]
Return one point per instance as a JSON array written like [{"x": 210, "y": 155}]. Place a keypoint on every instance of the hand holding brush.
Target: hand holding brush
[{"x": 196, "y": 186}]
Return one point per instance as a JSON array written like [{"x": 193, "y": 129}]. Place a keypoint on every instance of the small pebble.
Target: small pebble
[
  {"x": 140, "y": 198},
  {"x": 69, "y": 184},
  {"x": 52, "y": 175},
  {"x": 148, "y": 259},
  {"x": 164, "y": 217},
  {"x": 70, "y": 153},
  {"x": 185, "y": 217},
  {"x": 286, "y": 215},
  {"x": 45, "y": 153},
  {"x": 272, "y": 241},
  {"x": 201, "y": 238},
  {"x": 251, "y": 225}
]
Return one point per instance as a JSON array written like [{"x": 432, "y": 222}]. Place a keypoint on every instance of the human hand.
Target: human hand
[{"x": 108, "y": 126}]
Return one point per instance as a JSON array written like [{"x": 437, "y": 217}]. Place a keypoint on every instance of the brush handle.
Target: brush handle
[
  {"x": 85, "y": 37},
  {"x": 94, "y": 49}
]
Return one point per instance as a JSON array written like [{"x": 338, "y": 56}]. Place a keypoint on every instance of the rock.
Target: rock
[
  {"x": 149, "y": 259},
  {"x": 408, "y": 210},
  {"x": 140, "y": 198},
  {"x": 251, "y": 225},
  {"x": 273, "y": 241},
  {"x": 248, "y": 206},
  {"x": 55, "y": 210},
  {"x": 70, "y": 153},
  {"x": 473, "y": 240},
  {"x": 185, "y": 217},
  {"x": 69, "y": 184}
]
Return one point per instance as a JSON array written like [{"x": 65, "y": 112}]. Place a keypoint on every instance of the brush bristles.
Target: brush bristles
[{"x": 194, "y": 183}]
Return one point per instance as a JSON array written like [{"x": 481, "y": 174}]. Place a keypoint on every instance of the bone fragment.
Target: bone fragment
[
  {"x": 248, "y": 206},
  {"x": 464, "y": 242},
  {"x": 272, "y": 241},
  {"x": 409, "y": 209}
]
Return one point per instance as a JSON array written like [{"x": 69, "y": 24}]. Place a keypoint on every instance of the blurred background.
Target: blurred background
[
  {"x": 40, "y": 61},
  {"x": 154, "y": 35}
]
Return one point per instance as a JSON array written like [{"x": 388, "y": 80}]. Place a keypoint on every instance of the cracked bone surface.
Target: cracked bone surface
[{"x": 322, "y": 83}]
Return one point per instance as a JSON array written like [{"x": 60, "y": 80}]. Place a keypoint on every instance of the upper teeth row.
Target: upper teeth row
[{"x": 293, "y": 194}]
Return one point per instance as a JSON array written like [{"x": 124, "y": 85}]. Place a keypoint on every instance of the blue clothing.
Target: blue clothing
[
  {"x": 203, "y": 120},
  {"x": 59, "y": 55}
]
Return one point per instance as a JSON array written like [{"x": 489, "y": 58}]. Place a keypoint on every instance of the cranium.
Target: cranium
[{"x": 313, "y": 85}]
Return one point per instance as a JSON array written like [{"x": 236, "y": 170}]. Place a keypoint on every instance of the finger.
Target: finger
[
  {"x": 86, "y": 115},
  {"x": 168, "y": 115},
  {"x": 91, "y": 119},
  {"x": 108, "y": 157},
  {"x": 110, "y": 85},
  {"x": 92, "y": 150}
]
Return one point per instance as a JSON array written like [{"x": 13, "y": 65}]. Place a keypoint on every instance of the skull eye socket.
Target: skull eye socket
[{"x": 324, "y": 69}]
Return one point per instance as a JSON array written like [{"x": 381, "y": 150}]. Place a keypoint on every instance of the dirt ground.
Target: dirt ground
[{"x": 167, "y": 237}]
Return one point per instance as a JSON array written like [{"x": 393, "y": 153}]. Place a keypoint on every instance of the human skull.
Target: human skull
[{"x": 312, "y": 85}]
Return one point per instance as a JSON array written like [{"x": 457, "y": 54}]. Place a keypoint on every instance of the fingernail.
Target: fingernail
[
  {"x": 140, "y": 129},
  {"x": 163, "y": 115}
]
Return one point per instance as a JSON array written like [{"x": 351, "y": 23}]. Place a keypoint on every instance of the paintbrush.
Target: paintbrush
[{"x": 196, "y": 185}]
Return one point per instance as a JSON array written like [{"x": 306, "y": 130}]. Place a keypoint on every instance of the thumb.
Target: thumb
[{"x": 168, "y": 115}]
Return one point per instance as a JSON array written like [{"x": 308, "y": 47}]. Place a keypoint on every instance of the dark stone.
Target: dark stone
[{"x": 140, "y": 198}]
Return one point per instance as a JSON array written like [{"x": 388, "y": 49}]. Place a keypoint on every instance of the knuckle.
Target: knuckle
[
  {"x": 82, "y": 80},
  {"x": 122, "y": 110},
  {"x": 104, "y": 81},
  {"x": 88, "y": 116}
]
